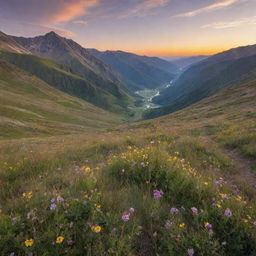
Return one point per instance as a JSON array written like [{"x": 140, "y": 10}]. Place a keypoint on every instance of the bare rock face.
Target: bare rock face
[{"x": 7, "y": 43}]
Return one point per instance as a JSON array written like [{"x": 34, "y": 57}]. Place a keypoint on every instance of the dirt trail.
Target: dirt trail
[{"x": 243, "y": 165}]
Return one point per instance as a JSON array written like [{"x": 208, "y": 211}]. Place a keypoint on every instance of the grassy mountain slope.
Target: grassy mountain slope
[
  {"x": 96, "y": 191},
  {"x": 69, "y": 53},
  {"x": 206, "y": 78},
  {"x": 61, "y": 78},
  {"x": 30, "y": 107},
  {"x": 138, "y": 72}
]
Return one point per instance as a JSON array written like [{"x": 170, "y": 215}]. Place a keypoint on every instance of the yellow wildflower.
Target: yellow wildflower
[
  {"x": 206, "y": 224},
  {"x": 28, "y": 195},
  {"x": 218, "y": 205},
  {"x": 206, "y": 183},
  {"x": 97, "y": 206},
  {"x": 96, "y": 229},
  {"x": 29, "y": 242},
  {"x": 87, "y": 169},
  {"x": 59, "y": 239},
  {"x": 182, "y": 225},
  {"x": 223, "y": 195}
]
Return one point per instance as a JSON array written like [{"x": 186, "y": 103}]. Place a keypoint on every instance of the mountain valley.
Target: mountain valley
[{"x": 114, "y": 153}]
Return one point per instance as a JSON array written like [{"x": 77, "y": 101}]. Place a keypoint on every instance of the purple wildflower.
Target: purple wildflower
[
  {"x": 174, "y": 211},
  {"x": 157, "y": 193},
  {"x": 60, "y": 199},
  {"x": 143, "y": 164},
  {"x": 218, "y": 183},
  {"x": 15, "y": 220},
  {"x": 125, "y": 217},
  {"x": 254, "y": 223},
  {"x": 191, "y": 252},
  {"x": 131, "y": 210},
  {"x": 228, "y": 213},
  {"x": 208, "y": 226},
  {"x": 53, "y": 207},
  {"x": 194, "y": 210}
]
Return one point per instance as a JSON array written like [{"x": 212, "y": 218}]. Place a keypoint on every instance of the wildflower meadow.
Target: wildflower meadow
[{"x": 142, "y": 200}]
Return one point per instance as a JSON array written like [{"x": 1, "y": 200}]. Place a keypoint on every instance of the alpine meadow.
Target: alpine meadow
[{"x": 127, "y": 128}]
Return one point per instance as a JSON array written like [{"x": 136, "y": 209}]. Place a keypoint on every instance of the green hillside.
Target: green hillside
[
  {"x": 167, "y": 186},
  {"x": 63, "y": 79},
  {"x": 227, "y": 69},
  {"x": 30, "y": 107},
  {"x": 69, "y": 53},
  {"x": 76, "y": 179}
]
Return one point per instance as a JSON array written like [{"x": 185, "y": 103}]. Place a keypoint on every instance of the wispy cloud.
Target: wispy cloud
[
  {"x": 46, "y": 11},
  {"x": 219, "y": 4},
  {"x": 143, "y": 7},
  {"x": 73, "y": 9},
  {"x": 80, "y": 22},
  {"x": 231, "y": 24}
]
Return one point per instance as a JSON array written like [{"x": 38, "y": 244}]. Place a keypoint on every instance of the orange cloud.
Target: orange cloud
[
  {"x": 73, "y": 9},
  {"x": 45, "y": 11}
]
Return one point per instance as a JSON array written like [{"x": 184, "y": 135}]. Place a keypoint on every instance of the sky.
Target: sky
[{"x": 147, "y": 27}]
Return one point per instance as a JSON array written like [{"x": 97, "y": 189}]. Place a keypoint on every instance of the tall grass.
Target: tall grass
[{"x": 126, "y": 200}]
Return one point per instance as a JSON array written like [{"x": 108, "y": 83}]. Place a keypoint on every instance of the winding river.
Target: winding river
[{"x": 149, "y": 94}]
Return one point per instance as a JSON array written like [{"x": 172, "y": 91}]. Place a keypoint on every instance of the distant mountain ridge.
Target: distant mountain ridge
[
  {"x": 227, "y": 69},
  {"x": 186, "y": 62},
  {"x": 61, "y": 78},
  {"x": 67, "y": 52},
  {"x": 67, "y": 66},
  {"x": 9, "y": 44},
  {"x": 138, "y": 72}
]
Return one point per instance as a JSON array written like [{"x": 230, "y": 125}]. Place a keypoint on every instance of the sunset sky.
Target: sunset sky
[{"x": 151, "y": 27}]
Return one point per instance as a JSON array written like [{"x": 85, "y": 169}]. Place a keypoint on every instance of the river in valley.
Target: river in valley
[{"x": 149, "y": 94}]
